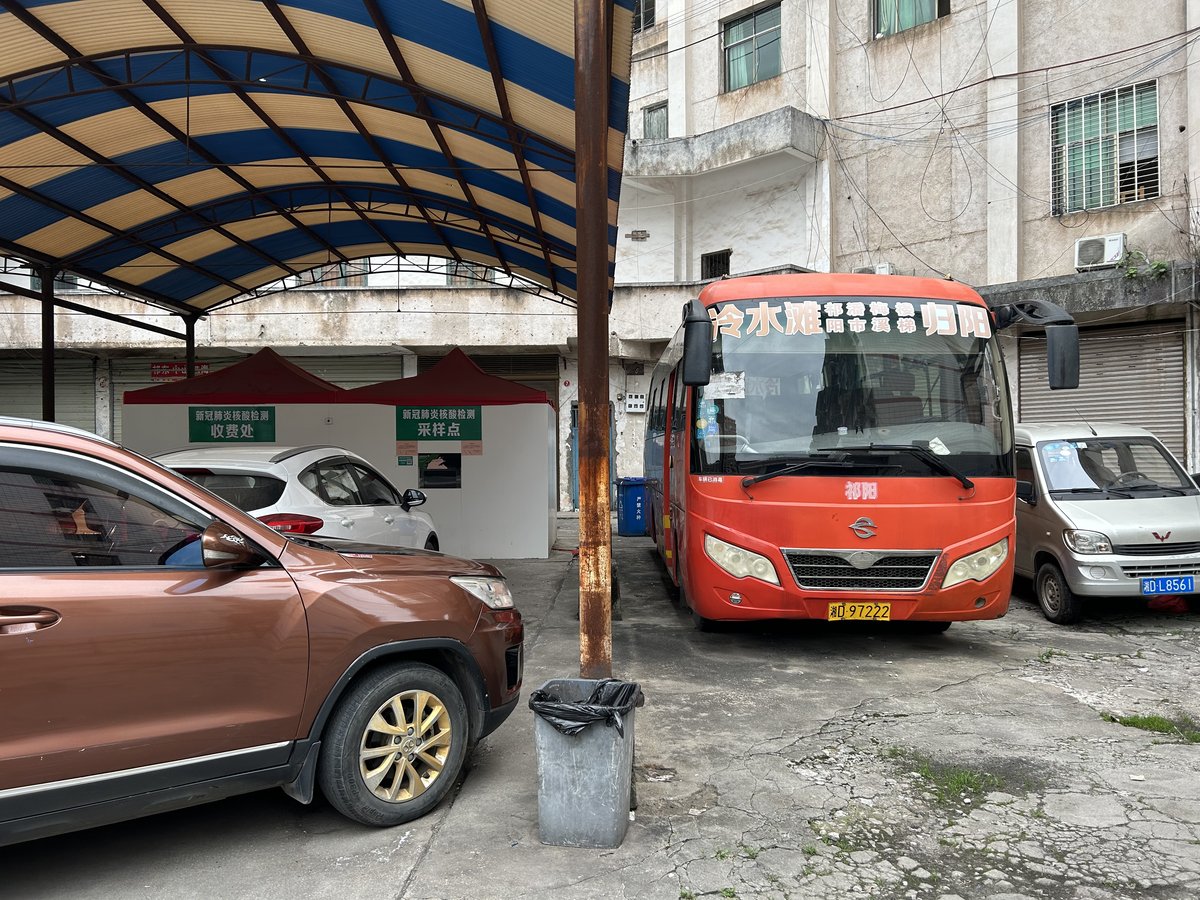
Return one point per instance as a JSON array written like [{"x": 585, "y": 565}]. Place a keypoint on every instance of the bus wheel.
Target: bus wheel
[
  {"x": 703, "y": 624},
  {"x": 1058, "y": 602}
]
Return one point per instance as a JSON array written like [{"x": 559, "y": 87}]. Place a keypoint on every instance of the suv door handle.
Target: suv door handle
[
  {"x": 14, "y": 619},
  {"x": 389, "y": 519}
]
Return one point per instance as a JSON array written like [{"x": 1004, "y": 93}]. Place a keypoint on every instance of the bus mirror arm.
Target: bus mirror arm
[
  {"x": 1030, "y": 312},
  {"x": 696, "y": 367},
  {"x": 1062, "y": 337}
]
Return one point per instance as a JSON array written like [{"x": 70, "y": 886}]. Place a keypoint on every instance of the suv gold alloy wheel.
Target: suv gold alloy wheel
[{"x": 405, "y": 746}]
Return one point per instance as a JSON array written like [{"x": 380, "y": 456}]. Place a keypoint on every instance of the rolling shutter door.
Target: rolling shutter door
[
  {"x": 1133, "y": 375},
  {"x": 74, "y": 390}
]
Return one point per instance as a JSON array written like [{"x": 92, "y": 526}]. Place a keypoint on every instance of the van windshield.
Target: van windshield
[{"x": 1102, "y": 464}]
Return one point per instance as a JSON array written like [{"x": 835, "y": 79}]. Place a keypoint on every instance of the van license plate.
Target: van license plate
[
  {"x": 860, "y": 612},
  {"x": 1184, "y": 584}
]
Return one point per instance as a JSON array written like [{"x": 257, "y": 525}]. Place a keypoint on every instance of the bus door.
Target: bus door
[{"x": 675, "y": 476}]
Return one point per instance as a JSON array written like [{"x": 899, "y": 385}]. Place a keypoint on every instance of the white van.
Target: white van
[{"x": 1103, "y": 510}]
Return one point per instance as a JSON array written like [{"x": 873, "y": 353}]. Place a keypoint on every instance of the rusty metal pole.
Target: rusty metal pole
[
  {"x": 47, "y": 278},
  {"x": 591, "y": 224},
  {"x": 189, "y": 330}
]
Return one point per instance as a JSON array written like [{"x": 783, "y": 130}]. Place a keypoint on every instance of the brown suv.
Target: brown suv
[{"x": 160, "y": 648}]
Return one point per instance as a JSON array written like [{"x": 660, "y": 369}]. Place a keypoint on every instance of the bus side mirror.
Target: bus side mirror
[
  {"x": 1062, "y": 356},
  {"x": 696, "y": 366}
]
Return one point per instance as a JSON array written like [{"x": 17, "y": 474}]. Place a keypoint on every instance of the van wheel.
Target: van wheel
[
  {"x": 1058, "y": 602},
  {"x": 395, "y": 745}
]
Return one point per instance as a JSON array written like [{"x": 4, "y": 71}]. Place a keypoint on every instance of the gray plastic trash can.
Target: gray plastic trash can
[{"x": 584, "y": 779}]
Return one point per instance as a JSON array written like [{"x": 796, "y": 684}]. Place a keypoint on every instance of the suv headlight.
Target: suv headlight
[
  {"x": 738, "y": 562},
  {"x": 1087, "y": 541},
  {"x": 979, "y": 565},
  {"x": 491, "y": 592}
]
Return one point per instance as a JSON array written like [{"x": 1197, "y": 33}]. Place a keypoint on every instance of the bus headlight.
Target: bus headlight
[
  {"x": 738, "y": 562},
  {"x": 1087, "y": 541},
  {"x": 979, "y": 565}
]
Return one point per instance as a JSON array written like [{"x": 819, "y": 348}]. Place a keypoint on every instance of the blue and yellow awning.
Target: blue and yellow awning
[{"x": 191, "y": 151}]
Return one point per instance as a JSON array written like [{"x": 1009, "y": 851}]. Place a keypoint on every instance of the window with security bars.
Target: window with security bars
[
  {"x": 1104, "y": 148},
  {"x": 654, "y": 122},
  {"x": 643, "y": 15},
  {"x": 715, "y": 265},
  {"x": 751, "y": 48},
  {"x": 894, "y": 16}
]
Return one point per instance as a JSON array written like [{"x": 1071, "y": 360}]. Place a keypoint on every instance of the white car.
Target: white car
[{"x": 325, "y": 491}]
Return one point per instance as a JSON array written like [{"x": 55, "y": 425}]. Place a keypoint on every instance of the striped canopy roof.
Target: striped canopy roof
[{"x": 189, "y": 152}]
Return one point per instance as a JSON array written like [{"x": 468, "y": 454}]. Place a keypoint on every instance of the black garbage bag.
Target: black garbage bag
[{"x": 610, "y": 699}]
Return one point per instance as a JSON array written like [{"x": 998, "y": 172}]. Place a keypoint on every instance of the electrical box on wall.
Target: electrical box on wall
[{"x": 635, "y": 403}]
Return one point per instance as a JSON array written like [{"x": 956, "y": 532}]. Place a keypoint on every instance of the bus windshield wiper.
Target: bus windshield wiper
[
  {"x": 814, "y": 463},
  {"x": 924, "y": 454}
]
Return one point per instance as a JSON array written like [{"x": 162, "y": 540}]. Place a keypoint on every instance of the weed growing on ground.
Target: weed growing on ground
[
  {"x": 1047, "y": 655},
  {"x": 750, "y": 852},
  {"x": 1184, "y": 726}
]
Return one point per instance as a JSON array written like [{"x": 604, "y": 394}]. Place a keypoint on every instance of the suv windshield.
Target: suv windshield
[
  {"x": 1099, "y": 465},
  {"x": 798, "y": 377}
]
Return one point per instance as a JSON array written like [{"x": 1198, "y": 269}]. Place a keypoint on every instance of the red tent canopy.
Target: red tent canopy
[
  {"x": 265, "y": 377},
  {"x": 454, "y": 380}
]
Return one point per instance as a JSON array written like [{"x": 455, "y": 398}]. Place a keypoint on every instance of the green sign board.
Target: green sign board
[
  {"x": 439, "y": 423},
  {"x": 231, "y": 424}
]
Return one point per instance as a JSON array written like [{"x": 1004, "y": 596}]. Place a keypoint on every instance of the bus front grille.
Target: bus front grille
[{"x": 857, "y": 570}]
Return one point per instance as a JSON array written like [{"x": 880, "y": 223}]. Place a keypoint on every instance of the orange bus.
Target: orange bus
[{"x": 840, "y": 447}]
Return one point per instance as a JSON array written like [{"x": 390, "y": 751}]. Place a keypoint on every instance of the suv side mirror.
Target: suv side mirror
[
  {"x": 412, "y": 497},
  {"x": 1026, "y": 492},
  {"x": 223, "y": 548}
]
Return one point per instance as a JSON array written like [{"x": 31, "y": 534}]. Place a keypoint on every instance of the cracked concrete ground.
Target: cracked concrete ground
[{"x": 780, "y": 760}]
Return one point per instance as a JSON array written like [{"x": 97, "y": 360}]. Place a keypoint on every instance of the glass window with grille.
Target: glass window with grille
[
  {"x": 1104, "y": 148},
  {"x": 894, "y": 16},
  {"x": 751, "y": 46},
  {"x": 643, "y": 15},
  {"x": 654, "y": 122},
  {"x": 715, "y": 265}
]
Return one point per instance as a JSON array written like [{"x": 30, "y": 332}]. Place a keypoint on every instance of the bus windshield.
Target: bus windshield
[{"x": 801, "y": 378}]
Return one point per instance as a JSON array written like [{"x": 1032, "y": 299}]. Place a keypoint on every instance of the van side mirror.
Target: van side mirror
[
  {"x": 412, "y": 497},
  {"x": 223, "y": 548},
  {"x": 696, "y": 367},
  {"x": 1026, "y": 492},
  {"x": 1062, "y": 356}
]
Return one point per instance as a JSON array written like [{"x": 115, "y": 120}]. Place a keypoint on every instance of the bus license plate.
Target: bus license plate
[
  {"x": 860, "y": 612},
  {"x": 1184, "y": 584}
]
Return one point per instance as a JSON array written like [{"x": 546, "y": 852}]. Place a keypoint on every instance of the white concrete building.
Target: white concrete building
[{"x": 1027, "y": 147}]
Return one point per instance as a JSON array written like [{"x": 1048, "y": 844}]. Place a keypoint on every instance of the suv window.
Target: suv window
[
  {"x": 373, "y": 488},
  {"x": 51, "y": 519},
  {"x": 333, "y": 482}
]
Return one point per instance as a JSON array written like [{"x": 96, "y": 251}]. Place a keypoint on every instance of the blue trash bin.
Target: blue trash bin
[{"x": 631, "y": 506}]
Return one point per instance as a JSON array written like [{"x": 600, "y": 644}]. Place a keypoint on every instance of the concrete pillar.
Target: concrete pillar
[{"x": 1003, "y": 143}]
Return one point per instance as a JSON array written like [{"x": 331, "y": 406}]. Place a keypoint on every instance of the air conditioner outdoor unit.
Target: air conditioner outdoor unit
[
  {"x": 879, "y": 269},
  {"x": 1100, "y": 252}
]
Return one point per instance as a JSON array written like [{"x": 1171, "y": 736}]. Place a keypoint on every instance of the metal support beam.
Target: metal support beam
[
  {"x": 591, "y": 193},
  {"x": 7, "y": 288},
  {"x": 189, "y": 325},
  {"x": 47, "y": 277}
]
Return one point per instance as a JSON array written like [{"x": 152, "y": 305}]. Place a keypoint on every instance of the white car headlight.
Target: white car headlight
[
  {"x": 739, "y": 562},
  {"x": 1087, "y": 541},
  {"x": 492, "y": 592},
  {"x": 979, "y": 565}
]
